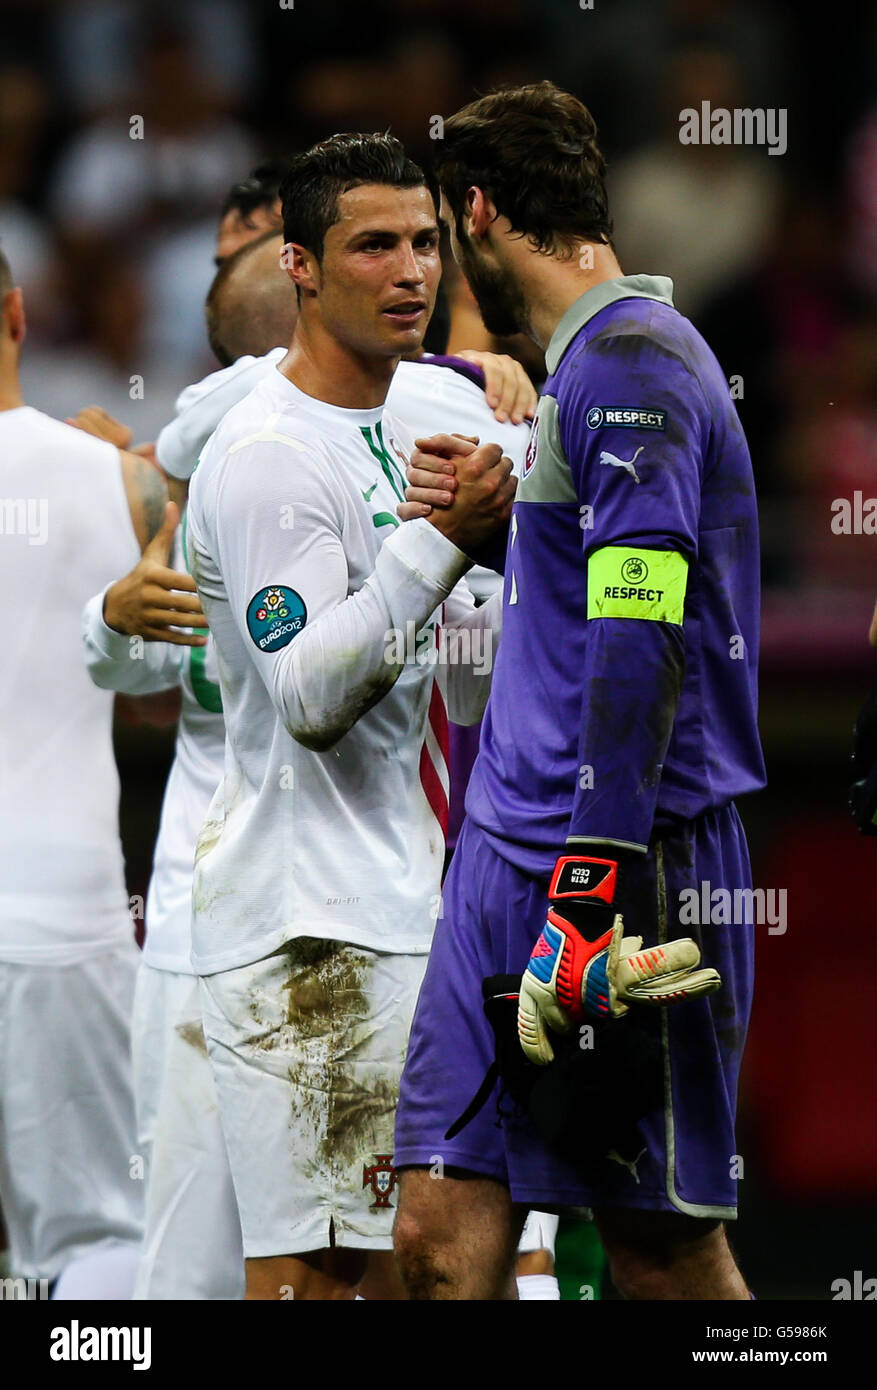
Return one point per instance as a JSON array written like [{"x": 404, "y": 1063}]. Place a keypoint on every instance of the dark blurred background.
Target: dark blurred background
[{"x": 774, "y": 257}]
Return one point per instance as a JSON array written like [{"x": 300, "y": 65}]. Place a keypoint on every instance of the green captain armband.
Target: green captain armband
[{"x": 636, "y": 583}]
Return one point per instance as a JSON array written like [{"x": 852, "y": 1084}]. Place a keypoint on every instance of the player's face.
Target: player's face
[
  {"x": 380, "y": 269},
  {"x": 495, "y": 289},
  {"x": 236, "y": 231}
]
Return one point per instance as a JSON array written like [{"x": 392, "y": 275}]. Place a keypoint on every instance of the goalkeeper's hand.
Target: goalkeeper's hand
[{"x": 584, "y": 967}]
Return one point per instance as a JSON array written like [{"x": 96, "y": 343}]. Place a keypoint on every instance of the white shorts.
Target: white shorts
[
  {"x": 67, "y": 1111},
  {"x": 192, "y": 1242},
  {"x": 307, "y": 1048}
]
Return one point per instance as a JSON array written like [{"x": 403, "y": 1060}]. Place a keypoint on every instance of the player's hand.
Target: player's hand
[
  {"x": 584, "y": 967},
  {"x": 510, "y": 393},
  {"x": 153, "y": 600},
  {"x": 482, "y": 487},
  {"x": 94, "y": 420},
  {"x": 432, "y": 473}
]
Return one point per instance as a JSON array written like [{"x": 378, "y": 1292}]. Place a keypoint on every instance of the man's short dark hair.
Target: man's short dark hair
[
  {"x": 316, "y": 179},
  {"x": 534, "y": 151},
  {"x": 260, "y": 189},
  {"x": 6, "y": 280}
]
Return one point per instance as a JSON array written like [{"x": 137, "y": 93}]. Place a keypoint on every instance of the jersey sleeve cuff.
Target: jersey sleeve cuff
[
  {"x": 424, "y": 550},
  {"x": 112, "y": 645}
]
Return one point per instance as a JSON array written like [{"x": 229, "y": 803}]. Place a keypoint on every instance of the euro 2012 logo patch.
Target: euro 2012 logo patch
[{"x": 274, "y": 616}]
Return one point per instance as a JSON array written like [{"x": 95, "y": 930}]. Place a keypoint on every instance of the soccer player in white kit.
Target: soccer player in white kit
[
  {"x": 74, "y": 513},
  {"x": 192, "y": 1244},
  {"x": 318, "y": 869}
]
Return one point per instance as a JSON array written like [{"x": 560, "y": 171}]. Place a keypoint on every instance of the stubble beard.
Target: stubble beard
[{"x": 497, "y": 294}]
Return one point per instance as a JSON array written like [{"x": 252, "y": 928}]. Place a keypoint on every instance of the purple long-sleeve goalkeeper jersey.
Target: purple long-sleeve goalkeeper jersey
[{"x": 624, "y": 695}]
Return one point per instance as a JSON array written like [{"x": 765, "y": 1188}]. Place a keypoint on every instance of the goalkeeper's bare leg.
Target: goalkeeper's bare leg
[
  {"x": 456, "y": 1236},
  {"x": 455, "y": 1239},
  {"x": 662, "y": 1255}
]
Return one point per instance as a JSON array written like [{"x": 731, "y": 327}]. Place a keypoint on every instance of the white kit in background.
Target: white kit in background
[
  {"x": 67, "y": 950},
  {"x": 192, "y": 1243}
]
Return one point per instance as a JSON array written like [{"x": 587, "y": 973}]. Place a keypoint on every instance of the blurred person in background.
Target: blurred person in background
[
  {"x": 777, "y": 330},
  {"x": 117, "y": 365},
  {"x": 94, "y": 48},
  {"x": 151, "y": 176},
  {"x": 620, "y": 56},
  {"x": 829, "y": 456},
  {"x": 700, "y": 212},
  {"x": 111, "y": 360},
  {"x": 26, "y": 240}
]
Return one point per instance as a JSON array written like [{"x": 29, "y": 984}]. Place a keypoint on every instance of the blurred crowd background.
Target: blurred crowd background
[{"x": 774, "y": 257}]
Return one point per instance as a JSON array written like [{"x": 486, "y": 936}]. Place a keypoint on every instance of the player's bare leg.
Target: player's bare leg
[
  {"x": 534, "y": 1268},
  {"x": 298, "y": 1277},
  {"x": 455, "y": 1237},
  {"x": 662, "y": 1255},
  {"x": 383, "y": 1278},
  {"x": 322, "y": 1275},
  {"x": 535, "y": 1262}
]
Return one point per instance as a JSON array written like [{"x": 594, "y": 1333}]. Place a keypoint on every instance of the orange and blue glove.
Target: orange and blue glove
[{"x": 584, "y": 967}]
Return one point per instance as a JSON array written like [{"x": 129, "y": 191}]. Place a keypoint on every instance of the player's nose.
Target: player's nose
[{"x": 408, "y": 268}]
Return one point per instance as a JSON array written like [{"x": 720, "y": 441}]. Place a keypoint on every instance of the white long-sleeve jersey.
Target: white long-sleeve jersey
[
  {"x": 428, "y": 397},
  {"x": 134, "y": 667},
  {"x": 325, "y": 615}
]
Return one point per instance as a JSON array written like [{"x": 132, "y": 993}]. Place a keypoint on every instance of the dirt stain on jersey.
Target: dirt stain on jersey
[
  {"x": 193, "y": 1034},
  {"x": 322, "y": 734}
]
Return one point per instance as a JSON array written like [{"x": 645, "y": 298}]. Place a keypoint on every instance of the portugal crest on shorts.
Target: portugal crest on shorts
[{"x": 380, "y": 1176}]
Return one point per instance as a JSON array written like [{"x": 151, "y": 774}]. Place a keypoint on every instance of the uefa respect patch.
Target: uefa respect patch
[
  {"x": 628, "y": 417},
  {"x": 274, "y": 616}
]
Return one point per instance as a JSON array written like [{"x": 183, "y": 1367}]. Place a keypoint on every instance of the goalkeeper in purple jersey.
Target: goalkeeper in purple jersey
[{"x": 621, "y": 727}]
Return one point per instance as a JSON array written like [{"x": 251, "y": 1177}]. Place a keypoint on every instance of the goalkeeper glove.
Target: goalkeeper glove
[{"x": 584, "y": 967}]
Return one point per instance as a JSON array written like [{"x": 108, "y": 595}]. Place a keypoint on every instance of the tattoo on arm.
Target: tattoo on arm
[
  {"x": 154, "y": 494},
  {"x": 147, "y": 496}
]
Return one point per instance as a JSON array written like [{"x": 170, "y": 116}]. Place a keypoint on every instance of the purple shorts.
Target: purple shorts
[{"x": 492, "y": 914}]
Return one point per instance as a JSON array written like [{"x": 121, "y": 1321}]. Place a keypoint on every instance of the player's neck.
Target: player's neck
[
  {"x": 555, "y": 284},
  {"x": 330, "y": 371},
  {"x": 10, "y": 390}
]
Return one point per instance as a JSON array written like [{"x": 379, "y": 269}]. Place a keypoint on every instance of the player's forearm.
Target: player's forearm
[
  {"x": 633, "y": 679},
  {"x": 343, "y": 663},
  {"x": 470, "y": 644},
  {"x": 128, "y": 665}
]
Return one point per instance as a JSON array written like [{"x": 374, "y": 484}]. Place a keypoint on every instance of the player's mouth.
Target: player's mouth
[{"x": 407, "y": 313}]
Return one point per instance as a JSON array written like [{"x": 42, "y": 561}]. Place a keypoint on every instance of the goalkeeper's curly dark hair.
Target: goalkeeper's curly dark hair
[{"x": 533, "y": 150}]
